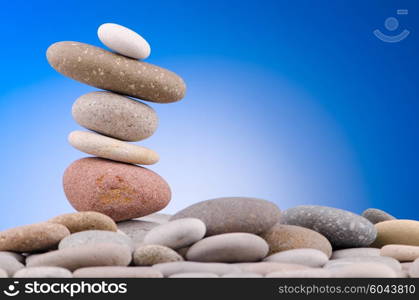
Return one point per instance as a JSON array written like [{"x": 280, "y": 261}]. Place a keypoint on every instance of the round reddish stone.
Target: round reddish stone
[{"x": 121, "y": 191}]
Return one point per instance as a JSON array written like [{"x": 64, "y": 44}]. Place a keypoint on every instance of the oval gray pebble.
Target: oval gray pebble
[
  {"x": 136, "y": 229},
  {"x": 177, "y": 234},
  {"x": 115, "y": 116},
  {"x": 229, "y": 247},
  {"x": 95, "y": 237},
  {"x": 307, "y": 257},
  {"x": 234, "y": 214},
  {"x": 355, "y": 252},
  {"x": 375, "y": 215},
  {"x": 117, "y": 272},
  {"x": 195, "y": 267},
  {"x": 342, "y": 228},
  {"x": 77, "y": 257},
  {"x": 154, "y": 254},
  {"x": 43, "y": 272}
]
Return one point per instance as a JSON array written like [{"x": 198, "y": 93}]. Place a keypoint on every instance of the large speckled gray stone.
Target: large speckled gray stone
[
  {"x": 43, "y": 272},
  {"x": 375, "y": 215},
  {"x": 95, "y": 237},
  {"x": 77, "y": 257},
  {"x": 115, "y": 115},
  {"x": 229, "y": 247},
  {"x": 110, "y": 71},
  {"x": 235, "y": 214},
  {"x": 136, "y": 229},
  {"x": 342, "y": 228},
  {"x": 176, "y": 234},
  {"x": 149, "y": 255}
]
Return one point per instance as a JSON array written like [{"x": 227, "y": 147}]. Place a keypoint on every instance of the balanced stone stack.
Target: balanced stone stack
[
  {"x": 111, "y": 183},
  {"x": 115, "y": 232}
]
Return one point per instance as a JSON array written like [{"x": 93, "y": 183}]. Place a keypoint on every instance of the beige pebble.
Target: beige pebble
[
  {"x": 83, "y": 256},
  {"x": 304, "y": 256},
  {"x": 35, "y": 237},
  {"x": 401, "y": 252},
  {"x": 268, "y": 267},
  {"x": 117, "y": 272},
  {"x": 149, "y": 255},
  {"x": 306, "y": 273},
  {"x": 194, "y": 275},
  {"x": 86, "y": 220},
  {"x": 363, "y": 270},
  {"x": 43, "y": 272},
  {"x": 110, "y": 148},
  {"x": 352, "y": 252},
  {"x": 196, "y": 267},
  {"x": 242, "y": 275}
]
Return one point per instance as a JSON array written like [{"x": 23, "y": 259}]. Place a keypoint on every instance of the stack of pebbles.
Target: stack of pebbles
[
  {"x": 111, "y": 183},
  {"x": 116, "y": 233}
]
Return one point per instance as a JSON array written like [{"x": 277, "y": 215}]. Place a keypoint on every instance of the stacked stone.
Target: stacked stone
[{"x": 111, "y": 183}]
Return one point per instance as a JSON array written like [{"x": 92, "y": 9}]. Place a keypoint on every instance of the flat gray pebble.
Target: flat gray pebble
[
  {"x": 95, "y": 237},
  {"x": 10, "y": 264},
  {"x": 307, "y": 257},
  {"x": 355, "y": 252},
  {"x": 196, "y": 267},
  {"x": 43, "y": 272},
  {"x": 117, "y": 272},
  {"x": 194, "y": 275}
]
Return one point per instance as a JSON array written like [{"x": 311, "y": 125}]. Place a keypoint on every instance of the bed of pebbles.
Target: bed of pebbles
[{"x": 116, "y": 231}]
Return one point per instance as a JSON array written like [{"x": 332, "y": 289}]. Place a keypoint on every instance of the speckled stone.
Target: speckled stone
[
  {"x": 342, "y": 228},
  {"x": 390, "y": 262},
  {"x": 86, "y": 220},
  {"x": 305, "y": 273},
  {"x": 194, "y": 275},
  {"x": 115, "y": 115},
  {"x": 106, "y": 147},
  {"x": 9, "y": 264},
  {"x": 149, "y": 255},
  {"x": 195, "y": 267},
  {"x": 229, "y": 247},
  {"x": 109, "y": 71},
  {"x": 136, "y": 229},
  {"x": 307, "y": 257},
  {"x": 177, "y": 234},
  {"x": 235, "y": 214},
  {"x": 286, "y": 237},
  {"x": 364, "y": 270},
  {"x": 95, "y": 237},
  {"x": 264, "y": 268},
  {"x": 354, "y": 252},
  {"x": 117, "y": 272},
  {"x": 123, "y": 40},
  {"x": 403, "y": 232},
  {"x": 35, "y": 237},
  {"x": 72, "y": 258},
  {"x": 401, "y": 252},
  {"x": 121, "y": 191},
  {"x": 43, "y": 272},
  {"x": 375, "y": 215},
  {"x": 414, "y": 269}
]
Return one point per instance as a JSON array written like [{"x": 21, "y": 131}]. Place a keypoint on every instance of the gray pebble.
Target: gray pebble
[
  {"x": 95, "y": 237},
  {"x": 43, "y": 272},
  {"x": 10, "y": 264},
  {"x": 196, "y": 267},
  {"x": 307, "y": 257},
  {"x": 117, "y": 272},
  {"x": 375, "y": 215}
]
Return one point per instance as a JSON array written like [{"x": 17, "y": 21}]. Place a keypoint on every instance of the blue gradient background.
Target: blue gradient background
[{"x": 293, "y": 101}]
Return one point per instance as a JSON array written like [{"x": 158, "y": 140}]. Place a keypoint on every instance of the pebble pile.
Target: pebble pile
[{"x": 116, "y": 231}]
